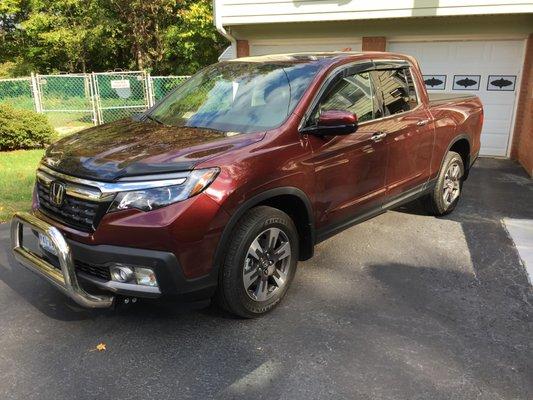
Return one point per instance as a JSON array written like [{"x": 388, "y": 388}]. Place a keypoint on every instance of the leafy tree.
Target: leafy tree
[
  {"x": 69, "y": 35},
  {"x": 163, "y": 36},
  {"x": 193, "y": 42},
  {"x": 11, "y": 13},
  {"x": 143, "y": 23}
]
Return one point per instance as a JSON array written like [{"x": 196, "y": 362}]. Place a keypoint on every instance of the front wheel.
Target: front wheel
[
  {"x": 260, "y": 262},
  {"x": 445, "y": 196}
]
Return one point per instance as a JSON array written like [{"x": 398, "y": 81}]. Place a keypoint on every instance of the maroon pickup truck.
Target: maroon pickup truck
[{"x": 223, "y": 186}]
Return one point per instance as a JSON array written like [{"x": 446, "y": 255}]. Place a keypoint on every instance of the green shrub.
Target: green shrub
[{"x": 23, "y": 129}]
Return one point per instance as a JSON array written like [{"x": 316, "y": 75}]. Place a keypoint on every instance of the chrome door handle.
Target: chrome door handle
[
  {"x": 376, "y": 137},
  {"x": 422, "y": 122}
]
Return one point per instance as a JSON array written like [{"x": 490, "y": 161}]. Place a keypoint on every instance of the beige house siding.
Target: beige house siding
[
  {"x": 237, "y": 12},
  {"x": 496, "y": 27}
]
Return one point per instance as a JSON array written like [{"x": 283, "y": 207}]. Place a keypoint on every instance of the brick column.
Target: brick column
[
  {"x": 243, "y": 48},
  {"x": 522, "y": 147},
  {"x": 374, "y": 43}
]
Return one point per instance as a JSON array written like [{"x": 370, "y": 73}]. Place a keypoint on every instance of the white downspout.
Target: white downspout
[{"x": 218, "y": 24}]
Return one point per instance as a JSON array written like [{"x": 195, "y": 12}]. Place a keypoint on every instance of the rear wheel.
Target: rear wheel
[
  {"x": 260, "y": 262},
  {"x": 445, "y": 196}
]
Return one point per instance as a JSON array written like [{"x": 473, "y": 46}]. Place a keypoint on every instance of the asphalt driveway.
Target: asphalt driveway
[{"x": 404, "y": 306}]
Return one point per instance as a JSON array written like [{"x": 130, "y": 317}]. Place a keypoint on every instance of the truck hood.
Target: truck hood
[{"x": 129, "y": 148}]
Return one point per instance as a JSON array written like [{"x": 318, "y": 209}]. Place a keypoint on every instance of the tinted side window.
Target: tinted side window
[
  {"x": 352, "y": 93},
  {"x": 398, "y": 90}
]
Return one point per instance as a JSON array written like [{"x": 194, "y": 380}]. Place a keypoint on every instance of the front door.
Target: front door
[{"x": 350, "y": 169}]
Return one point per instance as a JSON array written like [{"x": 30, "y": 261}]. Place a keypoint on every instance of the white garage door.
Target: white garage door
[
  {"x": 489, "y": 69},
  {"x": 259, "y": 48}
]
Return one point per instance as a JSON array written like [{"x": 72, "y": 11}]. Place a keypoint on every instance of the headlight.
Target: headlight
[{"x": 151, "y": 199}]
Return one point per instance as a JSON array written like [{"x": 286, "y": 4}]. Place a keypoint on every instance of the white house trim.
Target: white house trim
[
  {"x": 446, "y": 38},
  {"x": 245, "y": 12}
]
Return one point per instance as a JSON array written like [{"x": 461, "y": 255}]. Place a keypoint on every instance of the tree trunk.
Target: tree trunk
[{"x": 140, "y": 61}]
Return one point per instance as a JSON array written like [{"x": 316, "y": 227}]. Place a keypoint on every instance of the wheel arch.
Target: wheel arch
[
  {"x": 461, "y": 144},
  {"x": 290, "y": 200}
]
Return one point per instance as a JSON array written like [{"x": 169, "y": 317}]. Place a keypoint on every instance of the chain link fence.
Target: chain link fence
[
  {"x": 120, "y": 94},
  {"x": 73, "y": 102},
  {"x": 161, "y": 85},
  {"x": 67, "y": 101},
  {"x": 17, "y": 92}
]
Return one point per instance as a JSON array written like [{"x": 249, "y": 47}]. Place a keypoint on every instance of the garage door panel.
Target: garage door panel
[
  {"x": 437, "y": 53},
  {"x": 470, "y": 53},
  {"x": 494, "y": 151},
  {"x": 505, "y": 53},
  {"x": 497, "y": 112},
  {"x": 494, "y": 144},
  {"x": 480, "y": 58},
  {"x": 497, "y": 127}
]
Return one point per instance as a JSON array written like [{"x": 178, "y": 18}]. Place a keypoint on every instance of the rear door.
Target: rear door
[
  {"x": 350, "y": 169},
  {"x": 408, "y": 127}
]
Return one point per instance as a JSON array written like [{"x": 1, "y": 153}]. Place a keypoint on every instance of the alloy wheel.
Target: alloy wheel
[
  {"x": 267, "y": 263},
  {"x": 452, "y": 184}
]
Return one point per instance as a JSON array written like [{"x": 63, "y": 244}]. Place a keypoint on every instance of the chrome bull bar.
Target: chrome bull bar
[{"x": 66, "y": 279}]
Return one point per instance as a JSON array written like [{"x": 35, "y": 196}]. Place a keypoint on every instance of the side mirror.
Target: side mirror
[{"x": 336, "y": 122}]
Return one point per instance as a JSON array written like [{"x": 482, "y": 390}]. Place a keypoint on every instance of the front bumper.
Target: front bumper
[
  {"x": 65, "y": 279},
  {"x": 170, "y": 277}
]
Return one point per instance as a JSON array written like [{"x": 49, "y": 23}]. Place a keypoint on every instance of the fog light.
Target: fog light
[
  {"x": 121, "y": 273},
  {"x": 145, "y": 276}
]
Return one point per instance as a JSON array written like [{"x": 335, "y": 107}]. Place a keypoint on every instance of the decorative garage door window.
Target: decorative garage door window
[
  {"x": 435, "y": 82},
  {"x": 501, "y": 83},
  {"x": 466, "y": 82}
]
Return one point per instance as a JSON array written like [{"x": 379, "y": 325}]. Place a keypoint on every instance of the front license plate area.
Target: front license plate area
[{"x": 46, "y": 244}]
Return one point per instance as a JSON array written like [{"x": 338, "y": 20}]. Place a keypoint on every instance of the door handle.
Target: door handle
[
  {"x": 376, "y": 137},
  {"x": 422, "y": 122}
]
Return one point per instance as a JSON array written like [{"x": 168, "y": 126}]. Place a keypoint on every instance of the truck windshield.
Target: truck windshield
[{"x": 237, "y": 96}]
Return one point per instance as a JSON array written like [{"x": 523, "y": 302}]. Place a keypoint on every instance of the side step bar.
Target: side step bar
[{"x": 64, "y": 280}]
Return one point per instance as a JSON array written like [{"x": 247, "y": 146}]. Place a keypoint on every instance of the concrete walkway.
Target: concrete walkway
[{"x": 521, "y": 231}]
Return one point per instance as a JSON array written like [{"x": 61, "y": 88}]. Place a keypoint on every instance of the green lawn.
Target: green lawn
[{"x": 17, "y": 176}]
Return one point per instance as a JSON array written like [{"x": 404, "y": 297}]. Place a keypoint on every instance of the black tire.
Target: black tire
[
  {"x": 435, "y": 202},
  {"x": 231, "y": 293}
]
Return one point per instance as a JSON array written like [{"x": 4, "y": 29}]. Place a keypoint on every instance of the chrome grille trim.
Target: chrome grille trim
[
  {"x": 74, "y": 190},
  {"x": 104, "y": 191}
]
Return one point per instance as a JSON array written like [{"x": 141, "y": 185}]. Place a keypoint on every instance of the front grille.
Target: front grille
[{"x": 78, "y": 213}]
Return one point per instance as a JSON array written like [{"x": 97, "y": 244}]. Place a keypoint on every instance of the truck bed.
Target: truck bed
[{"x": 440, "y": 98}]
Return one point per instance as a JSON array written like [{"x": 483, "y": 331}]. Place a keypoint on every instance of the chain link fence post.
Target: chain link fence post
[
  {"x": 149, "y": 85},
  {"x": 94, "y": 100},
  {"x": 35, "y": 93}
]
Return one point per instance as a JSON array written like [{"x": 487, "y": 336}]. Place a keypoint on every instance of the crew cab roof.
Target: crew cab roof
[{"x": 326, "y": 58}]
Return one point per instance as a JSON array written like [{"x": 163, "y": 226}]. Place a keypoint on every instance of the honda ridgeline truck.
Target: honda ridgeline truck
[{"x": 221, "y": 188}]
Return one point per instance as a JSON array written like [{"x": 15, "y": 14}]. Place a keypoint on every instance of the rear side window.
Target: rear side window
[{"x": 398, "y": 90}]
